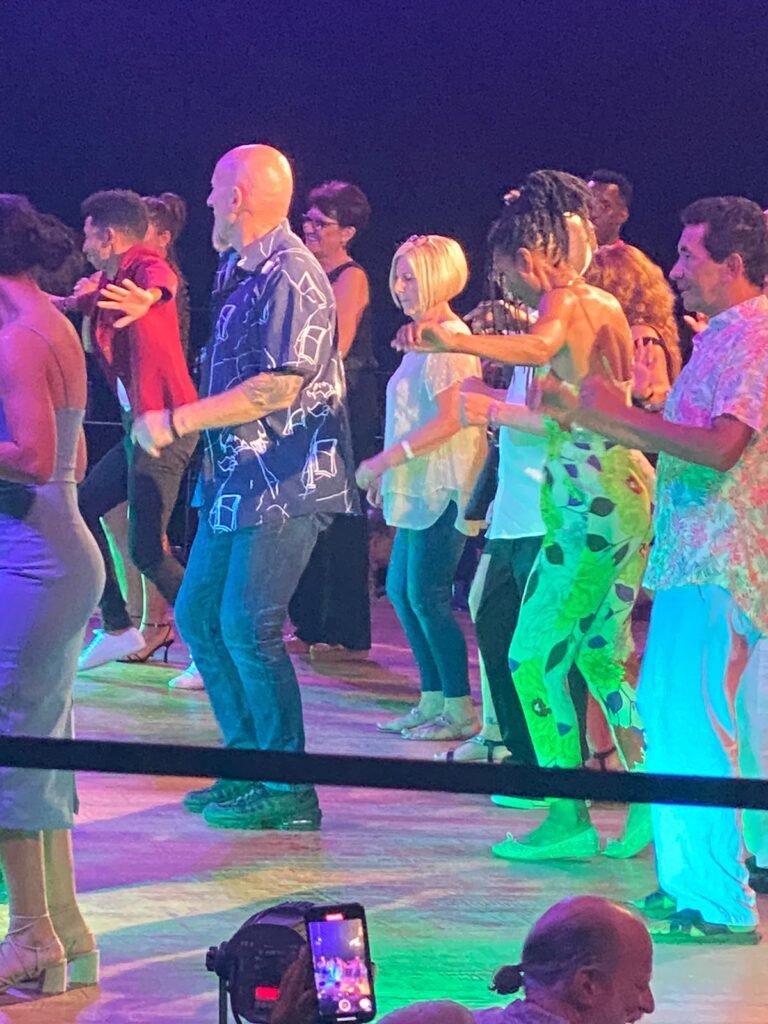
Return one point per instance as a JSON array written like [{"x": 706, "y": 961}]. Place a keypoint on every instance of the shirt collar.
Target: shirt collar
[
  {"x": 136, "y": 251},
  {"x": 741, "y": 311},
  {"x": 260, "y": 249}
]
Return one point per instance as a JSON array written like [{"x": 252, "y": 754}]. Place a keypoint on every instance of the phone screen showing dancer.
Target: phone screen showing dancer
[{"x": 341, "y": 963}]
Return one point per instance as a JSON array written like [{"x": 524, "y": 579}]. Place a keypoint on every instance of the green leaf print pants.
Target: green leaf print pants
[{"x": 596, "y": 506}]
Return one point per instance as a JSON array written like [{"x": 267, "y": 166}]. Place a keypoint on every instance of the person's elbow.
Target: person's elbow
[
  {"x": 724, "y": 457},
  {"x": 35, "y": 465},
  {"x": 723, "y": 461},
  {"x": 729, "y": 442}
]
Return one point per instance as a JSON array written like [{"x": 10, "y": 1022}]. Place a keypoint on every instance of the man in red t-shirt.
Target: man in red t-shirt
[{"x": 135, "y": 335}]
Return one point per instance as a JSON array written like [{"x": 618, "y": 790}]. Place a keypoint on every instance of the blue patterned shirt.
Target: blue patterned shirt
[{"x": 277, "y": 315}]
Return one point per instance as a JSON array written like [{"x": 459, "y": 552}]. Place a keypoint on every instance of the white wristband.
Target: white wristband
[{"x": 409, "y": 452}]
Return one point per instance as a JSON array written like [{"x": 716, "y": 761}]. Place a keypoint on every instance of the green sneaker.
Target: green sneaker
[
  {"x": 262, "y": 808},
  {"x": 658, "y": 906},
  {"x": 688, "y": 927},
  {"x": 221, "y": 792}
]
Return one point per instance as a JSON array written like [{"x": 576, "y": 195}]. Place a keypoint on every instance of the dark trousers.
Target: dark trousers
[
  {"x": 419, "y": 582},
  {"x": 332, "y": 601},
  {"x": 507, "y": 573},
  {"x": 332, "y": 604},
  {"x": 231, "y": 611},
  {"x": 150, "y": 486}
]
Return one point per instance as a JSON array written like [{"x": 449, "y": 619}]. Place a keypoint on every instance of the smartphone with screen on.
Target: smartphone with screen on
[{"x": 341, "y": 963}]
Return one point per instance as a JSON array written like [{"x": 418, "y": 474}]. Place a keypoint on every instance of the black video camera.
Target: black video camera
[{"x": 250, "y": 966}]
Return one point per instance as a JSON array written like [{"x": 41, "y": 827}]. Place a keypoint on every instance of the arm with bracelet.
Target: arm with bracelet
[
  {"x": 484, "y": 406},
  {"x": 418, "y": 442},
  {"x": 259, "y": 394}
]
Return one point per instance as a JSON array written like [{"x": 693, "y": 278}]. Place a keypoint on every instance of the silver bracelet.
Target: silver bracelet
[
  {"x": 409, "y": 452},
  {"x": 493, "y": 415}
]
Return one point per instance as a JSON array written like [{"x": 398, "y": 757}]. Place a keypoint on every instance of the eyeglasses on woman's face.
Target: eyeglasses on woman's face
[{"x": 317, "y": 223}]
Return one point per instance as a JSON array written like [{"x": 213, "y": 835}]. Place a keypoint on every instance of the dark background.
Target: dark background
[{"x": 435, "y": 109}]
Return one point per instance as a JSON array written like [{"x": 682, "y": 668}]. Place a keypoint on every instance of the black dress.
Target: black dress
[{"x": 332, "y": 604}]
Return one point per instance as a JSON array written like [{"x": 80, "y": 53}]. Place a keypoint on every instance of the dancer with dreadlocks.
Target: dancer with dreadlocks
[{"x": 596, "y": 503}]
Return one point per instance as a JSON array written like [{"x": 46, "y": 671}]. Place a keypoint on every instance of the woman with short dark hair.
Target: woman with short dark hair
[{"x": 331, "y": 607}]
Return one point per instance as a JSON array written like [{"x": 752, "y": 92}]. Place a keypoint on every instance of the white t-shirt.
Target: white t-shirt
[
  {"x": 417, "y": 492},
  {"x": 516, "y": 510}
]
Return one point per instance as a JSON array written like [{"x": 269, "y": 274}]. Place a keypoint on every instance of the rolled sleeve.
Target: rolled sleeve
[
  {"x": 157, "y": 273},
  {"x": 742, "y": 390},
  {"x": 444, "y": 369},
  {"x": 298, "y": 334}
]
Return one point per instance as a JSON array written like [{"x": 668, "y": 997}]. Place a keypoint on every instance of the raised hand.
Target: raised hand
[
  {"x": 651, "y": 382},
  {"x": 297, "y": 1002},
  {"x": 603, "y": 396},
  {"x": 129, "y": 299},
  {"x": 86, "y": 286},
  {"x": 696, "y": 321}
]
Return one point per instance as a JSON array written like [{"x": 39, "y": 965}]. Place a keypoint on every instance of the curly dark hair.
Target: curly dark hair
[
  {"x": 117, "y": 208},
  {"x": 347, "y": 203},
  {"x": 30, "y": 240},
  {"x": 734, "y": 225},
  {"x": 602, "y": 176},
  {"x": 534, "y": 214}
]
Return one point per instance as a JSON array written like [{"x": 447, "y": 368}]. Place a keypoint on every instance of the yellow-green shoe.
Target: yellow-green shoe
[{"x": 578, "y": 846}]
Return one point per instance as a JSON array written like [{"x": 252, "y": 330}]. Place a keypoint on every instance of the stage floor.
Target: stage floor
[{"x": 159, "y": 887}]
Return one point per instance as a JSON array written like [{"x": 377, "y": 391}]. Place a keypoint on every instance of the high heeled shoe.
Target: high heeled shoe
[
  {"x": 165, "y": 642},
  {"x": 80, "y": 950},
  {"x": 30, "y": 966}
]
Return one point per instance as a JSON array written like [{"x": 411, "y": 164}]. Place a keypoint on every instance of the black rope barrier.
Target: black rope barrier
[{"x": 380, "y": 772}]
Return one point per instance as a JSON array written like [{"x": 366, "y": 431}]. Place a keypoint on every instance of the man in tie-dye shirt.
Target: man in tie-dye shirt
[{"x": 709, "y": 565}]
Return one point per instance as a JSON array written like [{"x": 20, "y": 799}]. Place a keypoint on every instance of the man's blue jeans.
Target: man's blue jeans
[{"x": 231, "y": 610}]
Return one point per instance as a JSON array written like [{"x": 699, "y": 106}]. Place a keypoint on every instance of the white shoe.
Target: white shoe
[
  {"x": 106, "y": 647},
  {"x": 189, "y": 679}
]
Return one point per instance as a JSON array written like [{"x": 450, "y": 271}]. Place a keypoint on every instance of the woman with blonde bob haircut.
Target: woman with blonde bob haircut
[{"x": 424, "y": 478}]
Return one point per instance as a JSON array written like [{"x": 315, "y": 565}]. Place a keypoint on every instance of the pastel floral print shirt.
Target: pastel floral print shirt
[{"x": 712, "y": 526}]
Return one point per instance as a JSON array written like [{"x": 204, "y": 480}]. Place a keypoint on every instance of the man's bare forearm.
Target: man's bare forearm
[
  {"x": 250, "y": 400},
  {"x": 512, "y": 349},
  {"x": 636, "y": 428}
]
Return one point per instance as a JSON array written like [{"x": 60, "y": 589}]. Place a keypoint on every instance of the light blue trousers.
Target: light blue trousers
[{"x": 699, "y": 698}]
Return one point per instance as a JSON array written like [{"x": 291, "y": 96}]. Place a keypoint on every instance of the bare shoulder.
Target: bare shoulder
[
  {"x": 352, "y": 272},
  {"x": 30, "y": 348},
  {"x": 28, "y": 341},
  {"x": 557, "y": 302},
  {"x": 352, "y": 281},
  {"x": 604, "y": 300}
]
